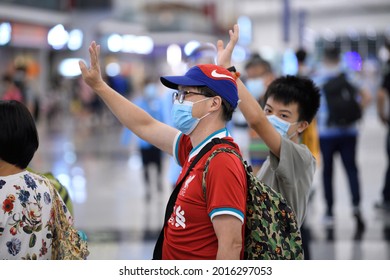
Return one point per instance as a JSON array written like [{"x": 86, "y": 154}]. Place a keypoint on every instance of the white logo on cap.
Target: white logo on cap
[{"x": 215, "y": 74}]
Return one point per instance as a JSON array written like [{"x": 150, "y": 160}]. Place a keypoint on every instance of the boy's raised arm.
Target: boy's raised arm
[{"x": 250, "y": 108}]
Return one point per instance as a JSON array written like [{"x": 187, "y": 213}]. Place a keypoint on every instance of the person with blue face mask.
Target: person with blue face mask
[
  {"x": 182, "y": 116},
  {"x": 256, "y": 87},
  {"x": 200, "y": 226},
  {"x": 240, "y": 128},
  {"x": 204, "y": 53},
  {"x": 259, "y": 75},
  {"x": 290, "y": 104}
]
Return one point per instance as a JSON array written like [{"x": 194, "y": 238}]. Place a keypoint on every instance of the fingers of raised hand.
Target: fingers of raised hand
[
  {"x": 236, "y": 29},
  {"x": 220, "y": 45},
  {"x": 98, "y": 50},
  {"x": 233, "y": 34},
  {"x": 82, "y": 66},
  {"x": 92, "y": 54}
]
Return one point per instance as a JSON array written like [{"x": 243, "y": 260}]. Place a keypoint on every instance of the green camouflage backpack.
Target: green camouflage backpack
[{"x": 271, "y": 229}]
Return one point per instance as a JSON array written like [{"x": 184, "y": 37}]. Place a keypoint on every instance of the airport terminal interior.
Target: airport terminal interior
[{"x": 85, "y": 146}]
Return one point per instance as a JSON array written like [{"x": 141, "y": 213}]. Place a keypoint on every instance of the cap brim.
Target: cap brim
[{"x": 175, "y": 81}]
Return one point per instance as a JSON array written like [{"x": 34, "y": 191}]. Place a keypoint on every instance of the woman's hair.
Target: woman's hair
[{"x": 18, "y": 134}]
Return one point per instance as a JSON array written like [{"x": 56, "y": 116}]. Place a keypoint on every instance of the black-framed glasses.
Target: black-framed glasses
[{"x": 181, "y": 94}]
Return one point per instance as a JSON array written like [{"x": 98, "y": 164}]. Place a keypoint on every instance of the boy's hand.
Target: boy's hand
[
  {"x": 92, "y": 76},
  {"x": 224, "y": 55}
]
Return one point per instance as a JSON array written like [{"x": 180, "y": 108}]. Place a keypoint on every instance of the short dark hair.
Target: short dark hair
[
  {"x": 19, "y": 136},
  {"x": 7, "y": 78},
  {"x": 292, "y": 89},
  {"x": 301, "y": 55},
  {"x": 332, "y": 53},
  {"x": 226, "y": 107},
  {"x": 256, "y": 60}
]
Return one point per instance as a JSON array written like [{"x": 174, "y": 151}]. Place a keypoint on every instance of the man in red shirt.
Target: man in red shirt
[{"x": 202, "y": 226}]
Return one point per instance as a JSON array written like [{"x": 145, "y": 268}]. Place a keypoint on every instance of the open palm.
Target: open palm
[
  {"x": 92, "y": 76},
  {"x": 224, "y": 55}
]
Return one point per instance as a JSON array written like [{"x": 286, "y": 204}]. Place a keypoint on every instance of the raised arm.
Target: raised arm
[
  {"x": 249, "y": 106},
  {"x": 131, "y": 116}
]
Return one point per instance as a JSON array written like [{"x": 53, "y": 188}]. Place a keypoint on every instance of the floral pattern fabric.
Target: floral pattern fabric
[{"x": 26, "y": 217}]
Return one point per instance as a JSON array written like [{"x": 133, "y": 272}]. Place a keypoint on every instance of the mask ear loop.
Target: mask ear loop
[
  {"x": 204, "y": 116},
  {"x": 292, "y": 135},
  {"x": 295, "y": 132},
  {"x": 201, "y": 118}
]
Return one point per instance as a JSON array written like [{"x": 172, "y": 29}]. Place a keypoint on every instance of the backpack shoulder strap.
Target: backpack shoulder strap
[{"x": 248, "y": 168}]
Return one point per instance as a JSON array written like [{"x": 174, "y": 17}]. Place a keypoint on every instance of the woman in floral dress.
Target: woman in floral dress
[{"x": 25, "y": 215}]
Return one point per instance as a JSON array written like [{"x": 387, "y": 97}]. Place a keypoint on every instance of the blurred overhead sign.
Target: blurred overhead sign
[{"x": 27, "y": 35}]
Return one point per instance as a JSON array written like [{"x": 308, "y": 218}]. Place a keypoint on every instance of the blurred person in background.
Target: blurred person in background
[
  {"x": 303, "y": 68},
  {"x": 150, "y": 102},
  {"x": 10, "y": 90},
  {"x": 121, "y": 84},
  {"x": 336, "y": 138},
  {"x": 259, "y": 75},
  {"x": 382, "y": 103},
  {"x": 310, "y": 135},
  {"x": 204, "y": 53},
  {"x": 310, "y": 138},
  {"x": 28, "y": 89},
  {"x": 81, "y": 104}
]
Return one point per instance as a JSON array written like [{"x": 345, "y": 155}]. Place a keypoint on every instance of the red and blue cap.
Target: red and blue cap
[{"x": 215, "y": 77}]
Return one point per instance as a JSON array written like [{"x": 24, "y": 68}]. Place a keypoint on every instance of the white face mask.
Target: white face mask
[
  {"x": 182, "y": 116},
  {"x": 281, "y": 126}
]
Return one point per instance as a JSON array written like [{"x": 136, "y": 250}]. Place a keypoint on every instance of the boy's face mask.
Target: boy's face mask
[{"x": 281, "y": 126}]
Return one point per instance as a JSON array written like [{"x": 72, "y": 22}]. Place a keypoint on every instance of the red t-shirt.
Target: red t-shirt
[{"x": 189, "y": 233}]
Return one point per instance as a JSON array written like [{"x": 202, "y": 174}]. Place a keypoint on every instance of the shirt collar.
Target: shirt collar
[{"x": 222, "y": 133}]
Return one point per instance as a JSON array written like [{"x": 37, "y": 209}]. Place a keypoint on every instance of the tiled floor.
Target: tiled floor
[{"x": 105, "y": 182}]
